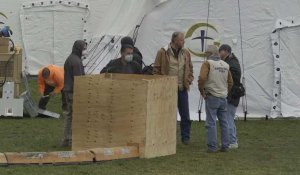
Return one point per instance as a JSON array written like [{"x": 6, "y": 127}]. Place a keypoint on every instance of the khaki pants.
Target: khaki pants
[{"x": 68, "y": 117}]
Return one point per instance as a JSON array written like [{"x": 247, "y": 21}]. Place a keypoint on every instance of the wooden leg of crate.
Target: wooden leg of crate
[{"x": 17, "y": 90}]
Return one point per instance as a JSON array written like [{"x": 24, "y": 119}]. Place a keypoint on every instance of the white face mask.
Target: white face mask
[
  {"x": 84, "y": 53},
  {"x": 129, "y": 58}
]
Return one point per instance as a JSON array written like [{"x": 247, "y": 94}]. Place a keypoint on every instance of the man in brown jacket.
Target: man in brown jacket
[{"x": 174, "y": 60}]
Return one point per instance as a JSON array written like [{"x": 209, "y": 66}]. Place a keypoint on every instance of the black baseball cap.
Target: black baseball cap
[
  {"x": 127, "y": 41},
  {"x": 225, "y": 47}
]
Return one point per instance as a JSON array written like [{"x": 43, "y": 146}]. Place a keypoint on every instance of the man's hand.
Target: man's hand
[
  {"x": 204, "y": 96},
  {"x": 52, "y": 94}
]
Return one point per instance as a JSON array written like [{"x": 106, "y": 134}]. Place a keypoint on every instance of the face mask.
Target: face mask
[
  {"x": 84, "y": 53},
  {"x": 128, "y": 58}
]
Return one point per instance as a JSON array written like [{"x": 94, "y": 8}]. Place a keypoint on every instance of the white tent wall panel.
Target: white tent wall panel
[
  {"x": 287, "y": 67},
  {"x": 258, "y": 21}
]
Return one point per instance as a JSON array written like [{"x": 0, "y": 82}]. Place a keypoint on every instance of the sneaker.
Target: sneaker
[
  {"x": 211, "y": 151},
  {"x": 224, "y": 150},
  {"x": 234, "y": 146}
]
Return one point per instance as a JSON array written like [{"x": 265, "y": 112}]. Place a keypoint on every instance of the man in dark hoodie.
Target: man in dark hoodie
[
  {"x": 233, "y": 101},
  {"x": 73, "y": 67}
]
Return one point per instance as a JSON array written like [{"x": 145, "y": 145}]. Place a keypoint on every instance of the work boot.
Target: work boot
[
  {"x": 66, "y": 143},
  {"x": 186, "y": 141}
]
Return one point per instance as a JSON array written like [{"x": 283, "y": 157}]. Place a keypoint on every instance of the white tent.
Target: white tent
[{"x": 270, "y": 37}]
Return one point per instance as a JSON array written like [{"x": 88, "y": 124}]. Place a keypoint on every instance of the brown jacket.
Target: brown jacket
[{"x": 162, "y": 65}]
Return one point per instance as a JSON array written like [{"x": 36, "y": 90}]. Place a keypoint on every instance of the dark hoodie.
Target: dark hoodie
[{"x": 73, "y": 65}]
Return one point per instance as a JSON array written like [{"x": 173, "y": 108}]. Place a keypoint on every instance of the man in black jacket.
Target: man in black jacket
[
  {"x": 73, "y": 67},
  {"x": 233, "y": 102},
  {"x": 137, "y": 55},
  {"x": 125, "y": 64}
]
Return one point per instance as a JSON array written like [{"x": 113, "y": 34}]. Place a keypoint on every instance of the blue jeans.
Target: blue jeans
[
  {"x": 183, "y": 107},
  {"x": 216, "y": 108},
  {"x": 231, "y": 110}
]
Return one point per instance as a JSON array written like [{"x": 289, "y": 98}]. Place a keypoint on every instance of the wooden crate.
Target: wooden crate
[
  {"x": 4, "y": 45},
  {"x": 14, "y": 67},
  {"x": 112, "y": 110}
]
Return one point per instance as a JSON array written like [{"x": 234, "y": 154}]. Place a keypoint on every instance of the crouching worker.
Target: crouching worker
[
  {"x": 51, "y": 83},
  {"x": 125, "y": 64}
]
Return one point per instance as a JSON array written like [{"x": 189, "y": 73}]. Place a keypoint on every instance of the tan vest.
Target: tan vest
[
  {"x": 177, "y": 67},
  {"x": 217, "y": 82}
]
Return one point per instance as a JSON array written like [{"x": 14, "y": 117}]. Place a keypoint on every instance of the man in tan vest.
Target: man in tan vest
[
  {"x": 215, "y": 82},
  {"x": 174, "y": 60}
]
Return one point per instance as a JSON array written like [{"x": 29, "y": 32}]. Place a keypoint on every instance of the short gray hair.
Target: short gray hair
[
  {"x": 213, "y": 49},
  {"x": 175, "y": 35}
]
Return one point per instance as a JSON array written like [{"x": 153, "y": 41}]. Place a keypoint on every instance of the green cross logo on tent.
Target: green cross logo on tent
[{"x": 203, "y": 36}]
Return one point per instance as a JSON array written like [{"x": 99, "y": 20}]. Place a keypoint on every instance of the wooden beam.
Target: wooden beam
[
  {"x": 63, "y": 157},
  {"x": 126, "y": 152},
  {"x": 3, "y": 160}
]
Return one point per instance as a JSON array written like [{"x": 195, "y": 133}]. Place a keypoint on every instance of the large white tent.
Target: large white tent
[{"x": 268, "y": 30}]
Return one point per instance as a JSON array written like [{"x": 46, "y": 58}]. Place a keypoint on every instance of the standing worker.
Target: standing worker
[
  {"x": 215, "y": 82},
  {"x": 174, "y": 60},
  {"x": 73, "y": 67},
  {"x": 233, "y": 97}
]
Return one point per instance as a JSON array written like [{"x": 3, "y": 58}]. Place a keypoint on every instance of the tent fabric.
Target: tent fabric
[
  {"x": 286, "y": 68},
  {"x": 121, "y": 19},
  {"x": 49, "y": 29},
  {"x": 258, "y": 21}
]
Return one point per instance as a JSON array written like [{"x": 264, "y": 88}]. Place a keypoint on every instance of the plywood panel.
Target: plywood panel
[
  {"x": 113, "y": 113},
  {"x": 112, "y": 110},
  {"x": 161, "y": 118}
]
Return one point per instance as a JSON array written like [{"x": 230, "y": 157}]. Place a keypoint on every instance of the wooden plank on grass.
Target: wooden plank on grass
[
  {"x": 126, "y": 152},
  {"x": 3, "y": 160},
  {"x": 63, "y": 157}
]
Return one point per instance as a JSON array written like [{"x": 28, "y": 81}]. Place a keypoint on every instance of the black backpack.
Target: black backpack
[
  {"x": 147, "y": 70},
  {"x": 238, "y": 91}
]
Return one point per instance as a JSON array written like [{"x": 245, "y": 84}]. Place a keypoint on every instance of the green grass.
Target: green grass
[{"x": 266, "y": 148}]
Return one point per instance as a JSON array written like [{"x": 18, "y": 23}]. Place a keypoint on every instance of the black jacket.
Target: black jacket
[
  {"x": 117, "y": 66},
  {"x": 73, "y": 66},
  {"x": 235, "y": 70},
  {"x": 138, "y": 57}
]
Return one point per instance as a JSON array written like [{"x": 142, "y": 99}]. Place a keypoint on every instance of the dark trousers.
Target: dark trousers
[
  {"x": 44, "y": 100},
  {"x": 183, "y": 107},
  {"x": 68, "y": 119}
]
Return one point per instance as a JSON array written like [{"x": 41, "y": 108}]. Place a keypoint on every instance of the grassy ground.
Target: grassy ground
[{"x": 266, "y": 148}]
